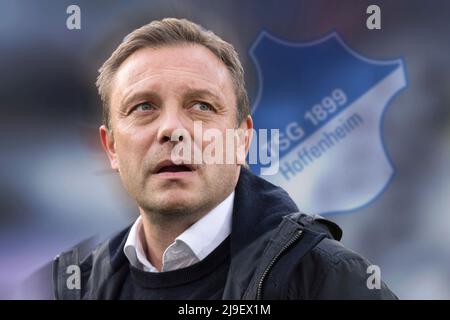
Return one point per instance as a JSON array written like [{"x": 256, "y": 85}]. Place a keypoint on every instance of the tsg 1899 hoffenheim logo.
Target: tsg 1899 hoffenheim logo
[{"x": 328, "y": 103}]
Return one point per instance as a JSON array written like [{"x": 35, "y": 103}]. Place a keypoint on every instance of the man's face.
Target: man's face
[{"x": 157, "y": 91}]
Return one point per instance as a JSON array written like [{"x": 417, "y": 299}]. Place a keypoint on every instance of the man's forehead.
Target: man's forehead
[{"x": 192, "y": 62}]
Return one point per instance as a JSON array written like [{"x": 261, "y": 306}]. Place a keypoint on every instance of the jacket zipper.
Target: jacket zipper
[{"x": 291, "y": 242}]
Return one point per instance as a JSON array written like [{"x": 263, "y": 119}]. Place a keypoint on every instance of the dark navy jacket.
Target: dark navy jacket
[{"x": 276, "y": 253}]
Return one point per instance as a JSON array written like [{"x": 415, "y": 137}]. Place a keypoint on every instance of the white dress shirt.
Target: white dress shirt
[{"x": 190, "y": 247}]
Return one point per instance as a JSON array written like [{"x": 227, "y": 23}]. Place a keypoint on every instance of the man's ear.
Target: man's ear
[
  {"x": 109, "y": 145},
  {"x": 245, "y": 139}
]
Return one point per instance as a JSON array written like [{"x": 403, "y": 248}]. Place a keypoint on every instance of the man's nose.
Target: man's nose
[{"x": 171, "y": 126}]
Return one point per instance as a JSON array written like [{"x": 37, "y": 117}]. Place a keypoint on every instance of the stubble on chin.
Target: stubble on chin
[{"x": 164, "y": 214}]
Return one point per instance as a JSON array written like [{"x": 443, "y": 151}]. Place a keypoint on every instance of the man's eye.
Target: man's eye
[
  {"x": 202, "y": 106},
  {"x": 145, "y": 106}
]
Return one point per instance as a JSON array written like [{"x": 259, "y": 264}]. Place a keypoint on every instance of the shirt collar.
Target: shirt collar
[{"x": 133, "y": 248}]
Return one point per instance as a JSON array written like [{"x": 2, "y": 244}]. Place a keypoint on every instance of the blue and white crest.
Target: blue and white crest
[{"x": 328, "y": 103}]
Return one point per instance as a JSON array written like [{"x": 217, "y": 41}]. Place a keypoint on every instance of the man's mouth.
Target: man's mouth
[
  {"x": 174, "y": 168},
  {"x": 168, "y": 168}
]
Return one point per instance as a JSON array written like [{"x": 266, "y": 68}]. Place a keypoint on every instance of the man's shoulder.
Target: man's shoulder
[
  {"x": 337, "y": 272},
  {"x": 90, "y": 250},
  {"x": 87, "y": 265},
  {"x": 328, "y": 269}
]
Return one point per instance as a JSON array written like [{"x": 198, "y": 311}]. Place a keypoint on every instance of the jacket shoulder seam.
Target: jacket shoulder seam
[{"x": 337, "y": 255}]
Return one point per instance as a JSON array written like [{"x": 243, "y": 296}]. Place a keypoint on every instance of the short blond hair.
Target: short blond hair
[{"x": 171, "y": 31}]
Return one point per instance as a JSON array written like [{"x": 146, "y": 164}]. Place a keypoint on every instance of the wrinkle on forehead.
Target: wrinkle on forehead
[{"x": 180, "y": 81}]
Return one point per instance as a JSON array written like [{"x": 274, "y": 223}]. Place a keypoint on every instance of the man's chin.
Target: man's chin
[
  {"x": 175, "y": 200},
  {"x": 172, "y": 209}
]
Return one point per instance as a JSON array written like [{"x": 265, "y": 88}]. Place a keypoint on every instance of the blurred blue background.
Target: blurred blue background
[{"x": 55, "y": 184}]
